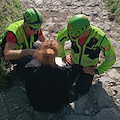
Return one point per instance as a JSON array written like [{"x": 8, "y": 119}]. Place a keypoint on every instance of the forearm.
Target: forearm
[
  {"x": 17, "y": 54},
  {"x": 105, "y": 66}
]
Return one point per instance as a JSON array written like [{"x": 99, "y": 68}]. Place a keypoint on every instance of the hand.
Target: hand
[
  {"x": 68, "y": 60},
  {"x": 89, "y": 70}
]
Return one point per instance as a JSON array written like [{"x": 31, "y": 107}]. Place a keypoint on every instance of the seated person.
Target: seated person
[{"x": 47, "y": 83}]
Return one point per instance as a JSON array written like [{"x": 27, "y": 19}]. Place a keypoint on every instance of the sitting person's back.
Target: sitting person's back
[{"x": 47, "y": 85}]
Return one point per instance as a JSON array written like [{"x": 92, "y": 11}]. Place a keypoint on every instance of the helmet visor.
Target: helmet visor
[{"x": 34, "y": 28}]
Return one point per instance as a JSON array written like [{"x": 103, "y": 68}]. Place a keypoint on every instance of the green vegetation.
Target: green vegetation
[
  {"x": 114, "y": 8},
  {"x": 5, "y": 76},
  {"x": 10, "y": 11}
]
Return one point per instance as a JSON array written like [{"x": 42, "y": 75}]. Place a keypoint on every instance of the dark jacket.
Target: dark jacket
[{"x": 47, "y": 87}]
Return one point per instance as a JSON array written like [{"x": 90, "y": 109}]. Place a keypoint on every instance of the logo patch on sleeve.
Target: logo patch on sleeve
[
  {"x": 107, "y": 48},
  {"x": 21, "y": 39}
]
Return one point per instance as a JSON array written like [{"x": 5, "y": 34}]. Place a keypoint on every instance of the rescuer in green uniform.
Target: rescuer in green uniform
[
  {"x": 87, "y": 42},
  {"x": 19, "y": 37}
]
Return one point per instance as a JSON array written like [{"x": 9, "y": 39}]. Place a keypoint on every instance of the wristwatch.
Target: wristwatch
[{"x": 96, "y": 71}]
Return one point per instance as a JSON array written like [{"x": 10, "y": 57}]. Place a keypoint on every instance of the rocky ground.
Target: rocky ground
[{"x": 103, "y": 100}]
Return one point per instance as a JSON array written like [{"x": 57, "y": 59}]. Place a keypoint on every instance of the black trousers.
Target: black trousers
[{"x": 82, "y": 80}]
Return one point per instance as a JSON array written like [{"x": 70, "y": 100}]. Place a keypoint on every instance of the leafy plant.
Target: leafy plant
[
  {"x": 117, "y": 15},
  {"x": 5, "y": 77},
  {"x": 10, "y": 11},
  {"x": 114, "y": 8}
]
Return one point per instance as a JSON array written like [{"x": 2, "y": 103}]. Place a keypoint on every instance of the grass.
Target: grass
[
  {"x": 10, "y": 11},
  {"x": 114, "y": 7}
]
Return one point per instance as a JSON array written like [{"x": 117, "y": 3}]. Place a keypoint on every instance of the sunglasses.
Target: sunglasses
[{"x": 34, "y": 28}]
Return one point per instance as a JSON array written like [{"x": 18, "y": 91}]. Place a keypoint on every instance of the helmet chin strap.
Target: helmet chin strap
[{"x": 72, "y": 38}]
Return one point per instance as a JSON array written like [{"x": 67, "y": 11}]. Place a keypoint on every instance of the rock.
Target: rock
[
  {"x": 111, "y": 17},
  {"x": 107, "y": 114},
  {"x": 94, "y": 101},
  {"x": 14, "y": 102},
  {"x": 43, "y": 115},
  {"x": 24, "y": 116},
  {"x": 38, "y": 2},
  {"x": 75, "y": 117},
  {"x": 113, "y": 74}
]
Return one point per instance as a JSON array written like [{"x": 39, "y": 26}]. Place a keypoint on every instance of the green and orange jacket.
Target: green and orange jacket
[
  {"x": 88, "y": 54},
  {"x": 18, "y": 31}
]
